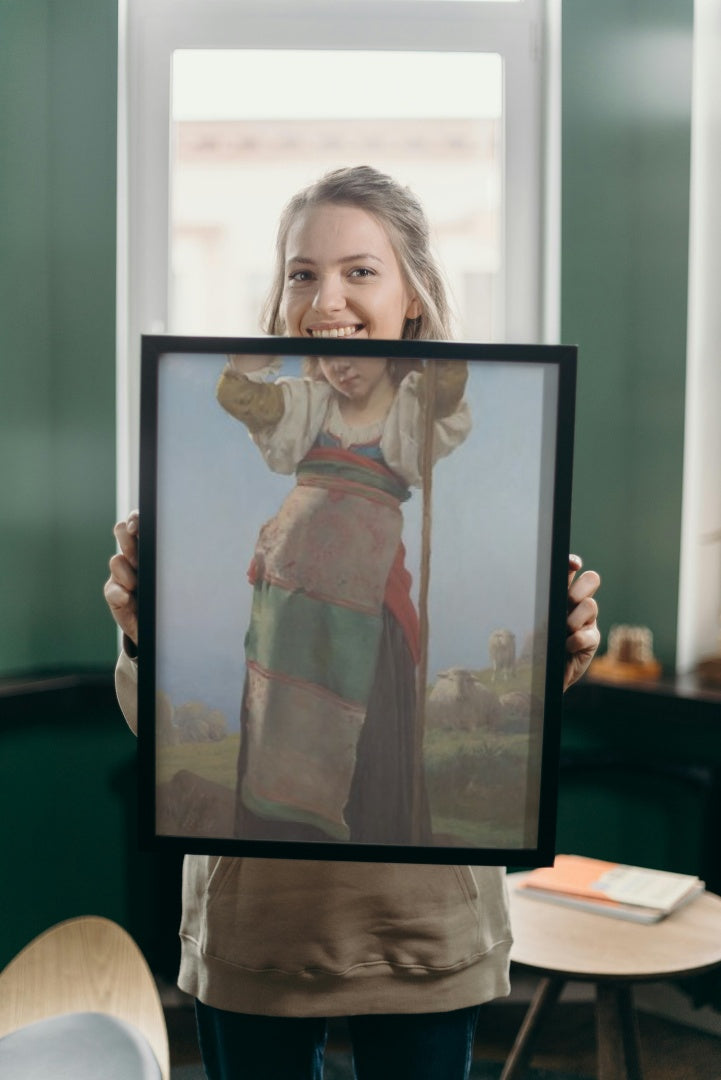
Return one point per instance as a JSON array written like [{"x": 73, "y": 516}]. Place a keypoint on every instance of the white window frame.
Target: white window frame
[
  {"x": 699, "y": 597},
  {"x": 526, "y": 34}
]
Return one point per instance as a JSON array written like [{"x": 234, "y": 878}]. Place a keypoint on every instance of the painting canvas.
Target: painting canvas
[{"x": 351, "y": 640}]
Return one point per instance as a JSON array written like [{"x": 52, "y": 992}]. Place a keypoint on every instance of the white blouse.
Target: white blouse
[{"x": 311, "y": 407}]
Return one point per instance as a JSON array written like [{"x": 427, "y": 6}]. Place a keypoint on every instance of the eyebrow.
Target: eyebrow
[{"x": 361, "y": 257}]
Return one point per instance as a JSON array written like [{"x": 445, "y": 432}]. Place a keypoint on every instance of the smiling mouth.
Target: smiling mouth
[{"x": 336, "y": 331}]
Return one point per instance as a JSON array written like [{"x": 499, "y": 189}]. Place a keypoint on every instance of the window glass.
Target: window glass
[{"x": 239, "y": 154}]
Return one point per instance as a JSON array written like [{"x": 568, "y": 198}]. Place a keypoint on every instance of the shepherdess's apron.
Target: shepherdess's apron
[{"x": 323, "y": 568}]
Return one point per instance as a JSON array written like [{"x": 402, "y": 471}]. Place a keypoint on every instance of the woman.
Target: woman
[{"x": 272, "y": 948}]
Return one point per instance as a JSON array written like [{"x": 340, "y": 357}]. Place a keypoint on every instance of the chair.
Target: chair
[{"x": 80, "y": 1001}]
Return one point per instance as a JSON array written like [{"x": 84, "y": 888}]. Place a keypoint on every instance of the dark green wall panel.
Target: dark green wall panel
[
  {"x": 58, "y": 79},
  {"x": 69, "y": 802},
  {"x": 641, "y": 777},
  {"x": 626, "y": 145},
  {"x": 25, "y": 401}
]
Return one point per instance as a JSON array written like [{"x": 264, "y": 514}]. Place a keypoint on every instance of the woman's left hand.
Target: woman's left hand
[{"x": 582, "y": 633}]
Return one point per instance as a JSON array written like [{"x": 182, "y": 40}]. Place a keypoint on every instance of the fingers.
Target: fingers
[
  {"x": 123, "y": 573},
  {"x": 120, "y": 588},
  {"x": 581, "y": 647},
  {"x": 120, "y": 600},
  {"x": 582, "y": 587},
  {"x": 582, "y": 613},
  {"x": 582, "y": 607},
  {"x": 123, "y": 608},
  {"x": 575, "y": 562},
  {"x": 126, "y": 534},
  {"x": 586, "y": 640},
  {"x": 582, "y": 634}
]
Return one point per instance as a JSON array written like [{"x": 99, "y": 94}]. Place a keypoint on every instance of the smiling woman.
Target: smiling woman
[
  {"x": 353, "y": 251},
  {"x": 338, "y": 293}
]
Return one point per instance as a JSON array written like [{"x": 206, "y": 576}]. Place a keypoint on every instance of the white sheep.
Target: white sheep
[
  {"x": 502, "y": 652},
  {"x": 460, "y": 702}
]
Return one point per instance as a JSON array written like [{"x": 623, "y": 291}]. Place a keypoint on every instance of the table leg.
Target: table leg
[
  {"x": 545, "y": 997},
  {"x": 617, "y": 1033}
]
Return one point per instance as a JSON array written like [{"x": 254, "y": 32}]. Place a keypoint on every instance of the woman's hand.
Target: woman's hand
[
  {"x": 583, "y": 635},
  {"x": 120, "y": 588}
]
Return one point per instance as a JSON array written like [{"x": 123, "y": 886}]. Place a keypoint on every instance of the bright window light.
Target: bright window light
[{"x": 220, "y": 84}]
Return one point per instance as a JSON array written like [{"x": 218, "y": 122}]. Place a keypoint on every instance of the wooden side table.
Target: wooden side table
[{"x": 563, "y": 944}]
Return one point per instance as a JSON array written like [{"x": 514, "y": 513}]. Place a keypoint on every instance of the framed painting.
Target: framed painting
[{"x": 352, "y": 597}]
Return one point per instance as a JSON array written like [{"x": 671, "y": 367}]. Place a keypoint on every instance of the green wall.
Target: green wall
[
  {"x": 68, "y": 803},
  {"x": 58, "y": 72},
  {"x": 625, "y": 167},
  {"x": 67, "y": 761}
]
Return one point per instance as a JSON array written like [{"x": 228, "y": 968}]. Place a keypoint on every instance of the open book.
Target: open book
[{"x": 608, "y": 888}]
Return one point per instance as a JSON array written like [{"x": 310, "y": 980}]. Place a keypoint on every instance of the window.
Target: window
[
  {"x": 236, "y": 160},
  {"x": 227, "y": 108}
]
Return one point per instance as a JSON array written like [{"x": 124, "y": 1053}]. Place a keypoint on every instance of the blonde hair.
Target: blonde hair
[{"x": 402, "y": 216}]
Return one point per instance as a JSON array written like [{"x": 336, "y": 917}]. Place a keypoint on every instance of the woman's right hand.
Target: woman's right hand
[{"x": 121, "y": 587}]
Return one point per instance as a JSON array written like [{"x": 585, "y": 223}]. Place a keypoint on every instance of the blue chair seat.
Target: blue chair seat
[{"x": 78, "y": 1046}]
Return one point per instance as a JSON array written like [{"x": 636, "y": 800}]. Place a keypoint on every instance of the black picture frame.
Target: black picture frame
[{"x": 496, "y": 548}]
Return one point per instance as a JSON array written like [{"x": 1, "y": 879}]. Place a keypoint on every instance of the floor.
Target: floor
[{"x": 669, "y": 1050}]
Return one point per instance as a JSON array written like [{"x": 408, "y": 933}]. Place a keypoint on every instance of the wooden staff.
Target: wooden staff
[{"x": 430, "y": 378}]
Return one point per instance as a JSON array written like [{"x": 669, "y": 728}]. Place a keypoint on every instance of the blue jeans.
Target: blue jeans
[{"x": 415, "y": 1046}]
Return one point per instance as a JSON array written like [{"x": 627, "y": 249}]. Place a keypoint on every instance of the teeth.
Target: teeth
[{"x": 335, "y": 332}]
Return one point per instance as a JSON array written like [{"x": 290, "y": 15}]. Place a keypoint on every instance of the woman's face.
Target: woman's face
[{"x": 342, "y": 277}]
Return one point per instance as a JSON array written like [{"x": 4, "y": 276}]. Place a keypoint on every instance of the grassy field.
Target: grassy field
[
  {"x": 476, "y": 786},
  {"x": 475, "y": 783},
  {"x": 476, "y": 780},
  {"x": 217, "y": 761}
]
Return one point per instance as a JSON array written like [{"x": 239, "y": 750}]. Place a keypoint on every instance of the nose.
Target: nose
[{"x": 329, "y": 296}]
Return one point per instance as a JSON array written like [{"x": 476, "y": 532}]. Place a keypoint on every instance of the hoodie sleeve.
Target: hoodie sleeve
[{"x": 126, "y": 688}]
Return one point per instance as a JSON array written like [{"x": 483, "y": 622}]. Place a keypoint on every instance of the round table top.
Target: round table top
[{"x": 559, "y": 940}]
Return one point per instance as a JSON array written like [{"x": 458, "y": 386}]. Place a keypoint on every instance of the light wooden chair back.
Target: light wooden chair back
[{"x": 87, "y": 964}]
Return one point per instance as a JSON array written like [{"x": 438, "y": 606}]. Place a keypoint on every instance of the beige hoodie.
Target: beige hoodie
[{"x": 287, "y": 937}]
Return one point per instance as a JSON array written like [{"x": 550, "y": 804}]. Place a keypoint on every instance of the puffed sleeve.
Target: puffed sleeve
[
  {"x": 283, "y": 417},
  {"x": 250, "y": 398},
  {"x": 402, "y": 437},
  {"x": 305, "y": 404}
]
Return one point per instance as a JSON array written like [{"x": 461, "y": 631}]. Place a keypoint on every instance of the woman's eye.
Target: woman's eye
[
  {"x": 300, "y": 276},
  {"x": 362, "y": 272}
]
